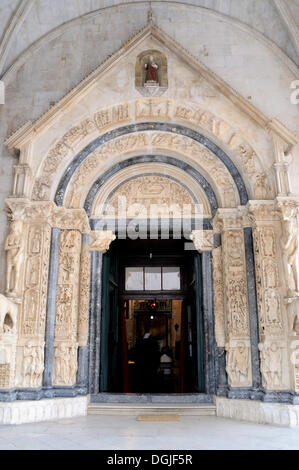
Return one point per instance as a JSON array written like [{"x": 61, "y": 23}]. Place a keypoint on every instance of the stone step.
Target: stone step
[{"x": 129, "y": 409}]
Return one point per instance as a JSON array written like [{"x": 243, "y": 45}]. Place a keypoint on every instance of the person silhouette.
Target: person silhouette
[{"x": 147, "y": 363}]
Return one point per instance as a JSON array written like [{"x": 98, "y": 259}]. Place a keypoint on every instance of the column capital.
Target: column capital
[
  {"x": 230, "y": 219},
  {"x": 100, "y": 240},
  {"x": 203, "y": 240},
  {"x": 262, "y": 212}
]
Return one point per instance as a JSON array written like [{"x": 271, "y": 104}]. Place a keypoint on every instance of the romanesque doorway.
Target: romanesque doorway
[{"x": 152, "y": 322}]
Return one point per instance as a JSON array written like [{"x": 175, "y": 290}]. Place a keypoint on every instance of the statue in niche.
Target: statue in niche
[
  {"x": 151, "y": 72},
  {"x": 290, "y": 244},
  {"x": 15, "y": 255},
  {"x": 151, "y": 75}
]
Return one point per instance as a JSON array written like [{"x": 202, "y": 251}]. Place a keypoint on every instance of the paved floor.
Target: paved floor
[{"x": 122, "y": 432}]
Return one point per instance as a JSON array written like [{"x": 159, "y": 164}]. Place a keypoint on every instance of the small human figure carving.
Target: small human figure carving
[
  {"x": 290, "y": 244},
  {"x": 237, "y": 364},
  {"x": 271, "y": 364},
  {"x": 14, "y": 250}
]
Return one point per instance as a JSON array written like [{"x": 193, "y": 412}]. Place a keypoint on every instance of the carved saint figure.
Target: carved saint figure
[
  {"x": 268, "y": 243},
  {"x": 65, "y": 364},
  {"x": 14, "y": 250},
  {"x": 237, "y": 364},
  {"x": 35, "y": 244},
  {"x": 151, "y": 71},
  {"x": 30, "y": 364},
  {"x": 290, "y": 243},
  {"x": 271, "y": 274},
  {"x": 273, "y": 308},
  {"x": 271, "y": 364}
]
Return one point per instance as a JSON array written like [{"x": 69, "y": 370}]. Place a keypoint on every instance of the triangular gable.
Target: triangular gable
[{"x": 18, "y": 138}]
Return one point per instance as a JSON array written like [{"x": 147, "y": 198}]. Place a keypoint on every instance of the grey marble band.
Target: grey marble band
[{"x": 51, "y": 308}]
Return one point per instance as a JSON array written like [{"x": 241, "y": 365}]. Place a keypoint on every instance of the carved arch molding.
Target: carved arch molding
[{"x": 250, "y": 294}]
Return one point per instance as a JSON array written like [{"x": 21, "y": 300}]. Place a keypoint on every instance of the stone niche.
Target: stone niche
[
  {"x": 8, "y": 341},
  {"x": 155, "y": 83}
]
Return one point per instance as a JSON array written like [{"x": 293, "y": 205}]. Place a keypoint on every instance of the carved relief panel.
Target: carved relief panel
[
  {"x": 270, "y": 296},
  {"x": 237, "y": 327},
  {"x": 67, "y": 303},
  {"x": 218, "y": 297},
  {"x": 36, "y": 281}
]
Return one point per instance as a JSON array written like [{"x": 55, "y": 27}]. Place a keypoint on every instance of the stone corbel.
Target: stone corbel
[
  {"x": 100, "y": 240},
  {"x": 203, "y": 240}
]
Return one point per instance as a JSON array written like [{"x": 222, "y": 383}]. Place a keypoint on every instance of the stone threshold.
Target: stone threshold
[
  {"x": 130, "y": 409},
  {"x": 135, "y": 398}
]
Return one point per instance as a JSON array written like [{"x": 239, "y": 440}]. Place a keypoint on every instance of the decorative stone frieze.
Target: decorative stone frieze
[{"x": 149, "y": 109}]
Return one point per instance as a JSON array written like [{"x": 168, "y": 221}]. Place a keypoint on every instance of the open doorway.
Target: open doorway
[{"x": 152, "y": 327}]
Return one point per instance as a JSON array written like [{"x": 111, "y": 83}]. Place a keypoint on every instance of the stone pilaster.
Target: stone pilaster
[
  {"x": 288, "y": 209},
  {"x": 271, "y": 291},
  {"x": 229, "y": 222}
]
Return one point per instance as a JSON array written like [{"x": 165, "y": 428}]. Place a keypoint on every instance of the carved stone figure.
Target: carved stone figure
[
  {"x": 65, "y": 364},
  {"x": 15, "y": 257},
  {"x": 271, "y": 366},
  {"x": 273, "y": 316},
  {"x": 290, "y": 244},
  {"x": 268, "y": 243},
  {"x": 151, "y": 71},
  {"x": 270, "y": 274},
  {"x": 33, "y": 364},
  {"x": 237, "y": 364}
]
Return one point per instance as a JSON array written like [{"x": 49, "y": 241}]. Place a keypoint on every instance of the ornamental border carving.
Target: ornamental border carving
[{"x": 153, "y": 110}]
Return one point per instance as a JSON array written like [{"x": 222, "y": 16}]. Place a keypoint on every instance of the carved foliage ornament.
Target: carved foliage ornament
[{"x": 100, "y": 240}]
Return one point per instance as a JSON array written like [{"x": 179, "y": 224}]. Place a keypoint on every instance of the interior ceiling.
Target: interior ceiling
[{"x": 24, "y": 22}]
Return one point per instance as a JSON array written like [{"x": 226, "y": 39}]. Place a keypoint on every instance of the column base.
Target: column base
[
  {"x": 278, "y": 414},
  {"x": 21, "y": 412}
]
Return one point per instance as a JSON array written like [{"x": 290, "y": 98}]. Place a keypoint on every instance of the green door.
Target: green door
[{"x": 194, "y": 381}]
